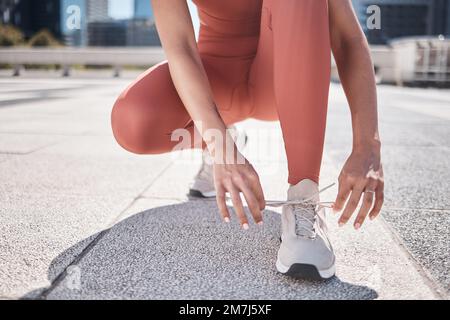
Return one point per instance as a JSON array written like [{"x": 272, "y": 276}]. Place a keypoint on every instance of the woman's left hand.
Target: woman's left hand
[{"x": 362, "y": 176}]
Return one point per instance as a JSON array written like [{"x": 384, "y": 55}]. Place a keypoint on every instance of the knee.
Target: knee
[{"x": 132, "y": 124}]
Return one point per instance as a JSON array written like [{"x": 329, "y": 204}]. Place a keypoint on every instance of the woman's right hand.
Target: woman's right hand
[{"x": 236, "y": 179}]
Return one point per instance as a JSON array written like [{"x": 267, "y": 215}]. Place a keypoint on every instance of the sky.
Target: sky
[{"x": 120, "y": 9}]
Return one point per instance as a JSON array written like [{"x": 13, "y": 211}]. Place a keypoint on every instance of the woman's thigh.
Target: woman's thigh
[{"x": 147, "y": 112}]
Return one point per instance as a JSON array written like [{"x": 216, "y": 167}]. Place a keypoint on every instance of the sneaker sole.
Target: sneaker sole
[
  {"x": 306, "y": 271},
  {"x": 197, "y": 194}
]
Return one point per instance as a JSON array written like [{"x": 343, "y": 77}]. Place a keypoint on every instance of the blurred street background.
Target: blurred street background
[{"x": 80, "y": 218}]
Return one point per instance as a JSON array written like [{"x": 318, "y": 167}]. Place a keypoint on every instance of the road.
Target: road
[{"x": 83, "y": 219}]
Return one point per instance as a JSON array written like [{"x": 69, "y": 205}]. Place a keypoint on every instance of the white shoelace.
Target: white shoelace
[
  {"x": 277, "y": 203},
  {"x": 303, "y": 202},
  {"x": 305, "y": 212}
]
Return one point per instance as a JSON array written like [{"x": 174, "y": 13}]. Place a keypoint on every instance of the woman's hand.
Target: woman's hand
[
  {"x": 234, "y": 179},
  {"x": 362, "y": 176}
]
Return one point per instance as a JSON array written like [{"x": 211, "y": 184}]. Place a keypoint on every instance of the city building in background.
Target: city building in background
[
  {"x": 96, "y": 27},
  {"x": 32, "y": 16},
  {"x": 404, "y": 18},
  {"x": 137, "y": 31},
  {"x": 142, "y": 32},
  {"x": 127, "y": 32},
  {"x": 97, "y": 10},
  {"x": 141, "y": 29},
  {"x": 109, "y": 33}
]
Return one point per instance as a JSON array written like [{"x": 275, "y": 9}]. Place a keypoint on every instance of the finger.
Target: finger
[
  {"x": 222, "y": 204},
  {"x": 351, "y": 205},
  {"x": 257, "y": 189},
  {"x": 367, "y": 203},
  {"x": 364, "y": 211},
  {"x": 238, "y": 206},
  {"x": 253, "y": 204},
  {"x": 341, "y": 199},
  {"x": 379, "y": 201}
]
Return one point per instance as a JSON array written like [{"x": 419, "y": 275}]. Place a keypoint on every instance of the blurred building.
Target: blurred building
[
  {"x": 137, "y": 31},
  {"x": 32, "y": 16},
  {"x": 141, "y": 29},
  {"x": 142, "y": 32},
  {"x": 109, "y": 33},
  {"x": 403, "y": 18},
  {"x": 143, "y": 9},
  {"x": 97, "y": 10},
  {"x": 131, "y": 32}
]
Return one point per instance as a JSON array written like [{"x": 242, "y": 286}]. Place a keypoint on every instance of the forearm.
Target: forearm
[
  {"x": 193, "y": 87},
  {"x": 188, "y": 74},
  {"x": 357, "y": 76}
]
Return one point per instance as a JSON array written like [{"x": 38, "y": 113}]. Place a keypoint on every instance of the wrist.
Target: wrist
[
  {"x": 225, "y": 151},
  {"x": 367, "y": 145}
]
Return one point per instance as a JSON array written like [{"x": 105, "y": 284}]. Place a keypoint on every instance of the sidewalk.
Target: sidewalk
[{"x": 70, "y": 197}]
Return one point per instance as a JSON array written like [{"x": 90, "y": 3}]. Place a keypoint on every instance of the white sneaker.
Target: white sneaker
[
  {"x": 305, "y": 250},
  {"x": 203, "y": 185}
]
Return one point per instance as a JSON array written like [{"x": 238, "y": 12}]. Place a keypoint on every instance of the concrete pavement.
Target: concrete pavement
[{"x": 81, "y": 218}]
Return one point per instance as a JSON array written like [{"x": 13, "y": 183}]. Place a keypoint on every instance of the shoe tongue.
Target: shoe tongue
[{"x": 304, "y": 190}]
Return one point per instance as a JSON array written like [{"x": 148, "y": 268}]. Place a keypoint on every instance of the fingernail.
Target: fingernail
[
  {"x": 260, "y": 223},
  {"x": 341, "y": 224},
  {"x": 372, "y": 218},
  {"x": 227, "y": 220},
  {"x": 245, "y": 226},
  {"x": 357, "y": 226}
]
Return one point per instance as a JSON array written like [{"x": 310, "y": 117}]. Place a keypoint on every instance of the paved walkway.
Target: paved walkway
[{"x": 80, "y": 218}]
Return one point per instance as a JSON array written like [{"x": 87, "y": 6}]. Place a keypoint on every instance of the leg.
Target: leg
[
  {"x": 302, "y": 63},
  {"x": 147, "y": 112}
]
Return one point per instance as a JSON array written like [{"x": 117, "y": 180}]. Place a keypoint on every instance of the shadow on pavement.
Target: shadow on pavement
[{"x": 184, "y": 251}]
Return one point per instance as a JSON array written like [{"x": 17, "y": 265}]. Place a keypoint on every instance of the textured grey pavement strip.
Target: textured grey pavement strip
[
  {"x": 36, "y": 229},
  {"x": 22, "y": 144},
  {"x": 430, "y": 249},
  {"x": 183, "y": 251},
  {"x": 56, "y": 197},
  {"x": 55, "y": 203},
  {"x": 417, "y": 169}
]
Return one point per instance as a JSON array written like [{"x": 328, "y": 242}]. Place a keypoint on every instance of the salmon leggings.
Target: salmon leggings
[{"x": 275, "y": 67}]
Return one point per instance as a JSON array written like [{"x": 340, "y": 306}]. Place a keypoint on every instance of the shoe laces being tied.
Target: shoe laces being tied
[
  {"x": 304, "y": 210},
  {"x": 305, "y": 213},
  {"x": 305, "y": 216}
]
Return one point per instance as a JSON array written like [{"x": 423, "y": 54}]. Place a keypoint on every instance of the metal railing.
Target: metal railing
[
  {"x": 404, "y": 61},
  {"x": 68, "y": 57}
]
